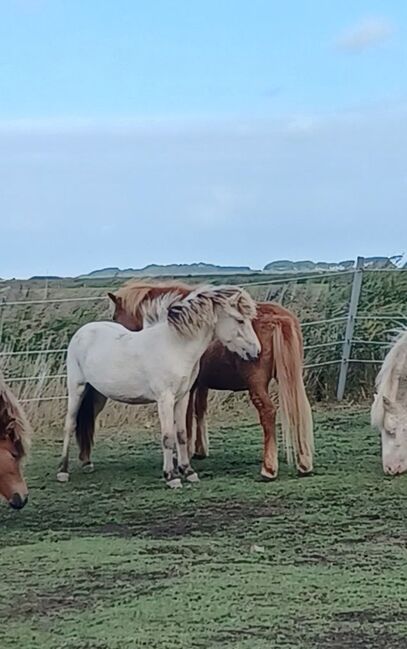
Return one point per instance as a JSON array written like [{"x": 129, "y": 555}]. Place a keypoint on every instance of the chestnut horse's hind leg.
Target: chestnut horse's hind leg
[
  {"x": 267, "y": 415},
  {"x": 202, "y": 438},
  {"x": 190, "y": 421}
]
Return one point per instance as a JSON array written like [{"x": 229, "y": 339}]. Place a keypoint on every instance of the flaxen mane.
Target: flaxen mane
[
  {"x": 190, "y": 313},
  {"x": 394, "y": 369},
  {"x": 13, "y": 421},
  {"x": 134, "y": 292}
]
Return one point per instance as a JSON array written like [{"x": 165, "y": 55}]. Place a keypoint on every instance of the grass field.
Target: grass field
[{"x": 113, "y": 560}]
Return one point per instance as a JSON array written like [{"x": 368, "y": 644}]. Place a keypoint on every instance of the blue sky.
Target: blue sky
[{"x": 233, "y": 132}]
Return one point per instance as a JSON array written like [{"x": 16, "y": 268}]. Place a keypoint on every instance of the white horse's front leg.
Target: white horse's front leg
[
  {"x": 184, "y": 466},
  {"x": 166, "y": 414}
]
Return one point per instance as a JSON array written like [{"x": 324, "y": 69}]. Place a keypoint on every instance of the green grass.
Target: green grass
[{"x": 113, "y": 560}]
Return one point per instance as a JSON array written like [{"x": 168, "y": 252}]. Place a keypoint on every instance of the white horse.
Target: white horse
[
  {"x": 389, "y": 409},
  {"x": 158, "y": 364}
]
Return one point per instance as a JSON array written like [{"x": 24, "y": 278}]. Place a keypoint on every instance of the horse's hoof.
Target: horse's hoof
[
  {"x": 268, "y": 476},
  {"x": 200, "y": 456},
  {"x": 305, "y": 474},
  {"x": 192, "y": 477},
  {"x": 175, "y": 483},
  {"x": 62, "y": 476},
  {"x": 88, "y": 467}
]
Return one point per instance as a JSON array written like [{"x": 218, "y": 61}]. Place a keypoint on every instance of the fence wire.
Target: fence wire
[{"x": 42, "y": 379}]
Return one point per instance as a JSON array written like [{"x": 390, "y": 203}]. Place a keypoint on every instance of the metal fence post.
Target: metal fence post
[{"x": 350, "y": 325}]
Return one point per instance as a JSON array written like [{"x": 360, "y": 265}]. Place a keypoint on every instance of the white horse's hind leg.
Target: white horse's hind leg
[
  {"x": 74, "y": 402},
  {"x": 184, "y": 466},
  {"x": 166, "y": 414}
]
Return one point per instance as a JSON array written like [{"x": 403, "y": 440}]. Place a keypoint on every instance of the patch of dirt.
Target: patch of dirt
[
  {"x": 204, "y": 520},
  {"x": 86, "y": 591},
  {"x": 244, "y": 633},
  {"x": 371, "y": 617},
  {"x": 357, "y": 639}
]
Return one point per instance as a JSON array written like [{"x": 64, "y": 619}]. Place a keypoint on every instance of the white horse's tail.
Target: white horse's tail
[{"x": 85, "y": 423}]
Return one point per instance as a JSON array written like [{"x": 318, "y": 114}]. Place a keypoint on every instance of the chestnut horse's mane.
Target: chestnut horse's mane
[
  {"x": 134, "y": 292},
  {"x": 13, "y": 419}
]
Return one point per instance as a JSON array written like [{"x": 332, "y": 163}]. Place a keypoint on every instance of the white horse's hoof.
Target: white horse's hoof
[
  {"x": 62, "y": 476},
  {"x": 88, "y": 468},
  {"x": 175, "y": 483},
  {"x": 192, "y": 477}
]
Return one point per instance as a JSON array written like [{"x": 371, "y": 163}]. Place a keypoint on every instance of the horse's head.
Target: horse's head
[
  {"x": 132, "y": 321},
  {"x": 15, "y": 433},
  {"x": 394, "y": 437},
  {"x": 12, "y": 484},
  {"x": 235, "y": 311}
]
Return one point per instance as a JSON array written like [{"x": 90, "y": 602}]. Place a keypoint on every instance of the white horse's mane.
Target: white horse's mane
[
  {"x": 187, "y": 315},
  {"x": 393, "y": 369}
]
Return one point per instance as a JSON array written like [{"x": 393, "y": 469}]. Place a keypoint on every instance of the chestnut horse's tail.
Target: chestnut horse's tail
[
  {"x": 295, "y": 410},
  {"x": 85, "y": 423}
]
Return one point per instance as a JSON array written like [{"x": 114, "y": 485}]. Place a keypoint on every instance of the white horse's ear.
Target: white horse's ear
[{"x": 388, "y": 405}]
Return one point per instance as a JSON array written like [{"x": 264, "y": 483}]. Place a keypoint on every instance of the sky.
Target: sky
[{"x": 225, "y": 131}]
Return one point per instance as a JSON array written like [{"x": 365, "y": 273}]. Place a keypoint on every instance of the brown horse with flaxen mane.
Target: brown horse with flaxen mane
[
  {"x": 281, "y": 358},
  {"x": 15, "y": 435}
]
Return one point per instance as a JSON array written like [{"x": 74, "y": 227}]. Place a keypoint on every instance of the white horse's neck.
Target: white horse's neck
[{"x": 192, "y": 347}]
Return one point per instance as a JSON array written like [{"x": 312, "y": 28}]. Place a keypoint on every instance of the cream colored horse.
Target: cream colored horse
[{"x": 389, "y": 410}]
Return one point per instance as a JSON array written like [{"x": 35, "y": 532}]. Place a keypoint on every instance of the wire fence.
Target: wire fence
[{"x": 330, "y": 341}]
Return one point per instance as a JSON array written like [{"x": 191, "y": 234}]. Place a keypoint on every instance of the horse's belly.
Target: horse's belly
[
  {"x": 133, "y": 401},
  {"x": 123, "y": 393},
  {"x": 223, "y": 381}
]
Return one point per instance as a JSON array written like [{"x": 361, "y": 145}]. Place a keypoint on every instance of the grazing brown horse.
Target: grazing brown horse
[
  {"x": 281, "y": 358},
  {"x": 15, "y": 434}
]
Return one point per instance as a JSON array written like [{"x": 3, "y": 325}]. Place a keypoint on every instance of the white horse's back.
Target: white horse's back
[{"x": 117, "y": 362}]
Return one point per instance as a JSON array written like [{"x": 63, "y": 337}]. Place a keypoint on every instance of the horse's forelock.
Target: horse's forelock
[
  {"x": 13, "y": 421},
  {"x": 238, "y": 298}
]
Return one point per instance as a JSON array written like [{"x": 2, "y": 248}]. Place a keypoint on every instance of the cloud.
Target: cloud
[{"x": 370, "y": 32}]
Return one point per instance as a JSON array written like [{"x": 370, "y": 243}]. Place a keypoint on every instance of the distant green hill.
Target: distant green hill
[
  {"x": 287, "y": 266},
  {"x": 201, "y": 268},
  {"x": 169, "y": 269}
]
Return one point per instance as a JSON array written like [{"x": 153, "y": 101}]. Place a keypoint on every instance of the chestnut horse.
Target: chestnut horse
[
  {"x": 281, "y": 358},
  {"x": 15, "y": 434}
]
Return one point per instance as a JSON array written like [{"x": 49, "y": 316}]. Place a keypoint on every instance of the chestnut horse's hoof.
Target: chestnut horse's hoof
[
  {"x": 304, "y": 474},
  {"x": 268, "y": 476},
  {"x": 62, "y": 476},
  {"x": 200, "y": 456}
]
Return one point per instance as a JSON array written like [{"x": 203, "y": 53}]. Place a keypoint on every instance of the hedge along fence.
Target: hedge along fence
[{"x": 35, "y": 332}]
